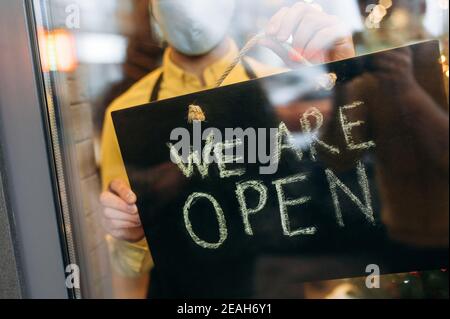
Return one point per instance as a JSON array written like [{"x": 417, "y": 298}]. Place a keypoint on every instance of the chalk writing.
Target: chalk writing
[
  {"x": 334, "y": 183},
  {"x": 306, "y": 126},
  {"x": 348, "y": 126},
  {"x": 284, "y": 203},
  {"x": 223, "y": 232},
  {"x": 223, "y": 153},
  {"x": 223, "y": 158},
  {"x": 284, "y": 140},
  {"x": 245, "y": 211}
]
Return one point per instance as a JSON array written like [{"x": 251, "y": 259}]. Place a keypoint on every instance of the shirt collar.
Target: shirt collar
[{"x": 177, "y": 76}]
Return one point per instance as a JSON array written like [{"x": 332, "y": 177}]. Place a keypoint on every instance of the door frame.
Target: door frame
[{"x": 38, "y": 242}]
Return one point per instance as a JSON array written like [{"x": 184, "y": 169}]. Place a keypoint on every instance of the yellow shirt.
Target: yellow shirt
[{"x": 134, "y": 259}]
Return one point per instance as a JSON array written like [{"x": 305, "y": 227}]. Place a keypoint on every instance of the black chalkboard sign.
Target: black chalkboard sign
[{"x": 322, "y": 204}]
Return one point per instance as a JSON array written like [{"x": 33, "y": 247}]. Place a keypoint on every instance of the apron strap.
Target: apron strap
[
  {"x": 156, "y": 88},
  {"x": 249, "y": 70}
]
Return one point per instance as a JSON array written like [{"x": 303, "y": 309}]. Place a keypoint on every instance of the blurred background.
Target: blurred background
[{"x": 92, "y": 51}]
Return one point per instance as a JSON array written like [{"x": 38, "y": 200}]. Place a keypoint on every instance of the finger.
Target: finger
[
  {"x": 110, "y": 200},
  {"x": 130, "y": 235},
  {"x": 275, "y": 22},
  {"x": 309, "y": 26},
  {"x": 118, "y": 233},
  {"x": 115, "y": 224},
  {"x": 323, "y": 41},
  {"x": 122, "y": 189},
  {"x": 291, "y": 20},
  {"x": 119, "y": 215},
  {"x": 319, "y": 57}
]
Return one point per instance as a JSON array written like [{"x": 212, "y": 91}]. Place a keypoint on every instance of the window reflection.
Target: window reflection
[{"x": 116, "y": 45}]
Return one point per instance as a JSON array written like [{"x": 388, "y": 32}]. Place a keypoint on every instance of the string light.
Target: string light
[{"x": 444, "y": 62}]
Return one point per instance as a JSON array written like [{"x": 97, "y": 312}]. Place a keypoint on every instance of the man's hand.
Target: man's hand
[
  {"x": 317, "y": 36},
  {"x": 395, "y": 71},
  {"x": 120, "y": 213}
]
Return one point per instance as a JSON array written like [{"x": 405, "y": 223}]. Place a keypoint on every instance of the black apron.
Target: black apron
[{"x": 156, "y": 289}]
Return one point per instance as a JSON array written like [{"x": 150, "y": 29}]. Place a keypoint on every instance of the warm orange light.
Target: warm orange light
[
  {"x": 57, "y": 50},
  {"x": 43, "y": 49}
]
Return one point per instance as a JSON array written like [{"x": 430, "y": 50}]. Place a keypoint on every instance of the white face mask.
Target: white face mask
[{"x": 193, "y": 27}]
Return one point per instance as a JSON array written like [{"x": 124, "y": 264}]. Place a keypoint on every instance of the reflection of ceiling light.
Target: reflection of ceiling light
[
  {"x": 101, "y": 48},
  {"x": 57, "y": 50},
  {"x": 443, "y": 61}
]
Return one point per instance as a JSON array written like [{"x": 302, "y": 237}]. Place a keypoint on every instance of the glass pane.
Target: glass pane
[{"x": 105, "y": 57}]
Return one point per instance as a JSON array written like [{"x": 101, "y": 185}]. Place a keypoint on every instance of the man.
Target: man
[{"x": 198, "y": 53}]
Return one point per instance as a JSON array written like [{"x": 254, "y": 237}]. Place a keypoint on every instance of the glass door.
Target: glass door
[{"x": 88, "y": 57}]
